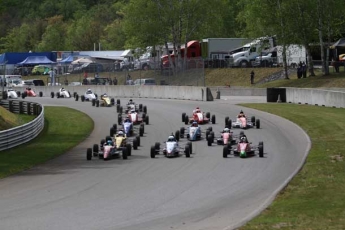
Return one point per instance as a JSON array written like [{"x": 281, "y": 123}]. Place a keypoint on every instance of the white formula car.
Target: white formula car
[
  {"x": 12, "y": 94},
  {"x": 62, "y": 93},
  {"x": 172, "y": 147},
  {"x": 88, "y": 96}
]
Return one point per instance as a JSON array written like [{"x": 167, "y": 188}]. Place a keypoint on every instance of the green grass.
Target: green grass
[
  {"x": 9, "y": 120},
  {"x": 60, "y": 134},
  {"x": 315, "y": 198}
]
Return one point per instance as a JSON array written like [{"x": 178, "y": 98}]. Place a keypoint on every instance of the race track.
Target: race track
[{"x": 204, "y": 192}]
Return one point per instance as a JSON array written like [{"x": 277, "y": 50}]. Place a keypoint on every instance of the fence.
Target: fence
[{"x": 22, "y": 134}]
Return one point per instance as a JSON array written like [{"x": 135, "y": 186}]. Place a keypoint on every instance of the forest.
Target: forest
[{"x": 56, "y": 25}]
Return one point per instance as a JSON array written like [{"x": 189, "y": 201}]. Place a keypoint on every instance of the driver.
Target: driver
[
  {"x": 88, "y": 91},
  {"x": 226, "y": 130},
  {"x": 62, "y": 89},
  {"x": 171, "y": 138},
  {"x": 243, "y": 139},
  {"x": 130, "y": 102},
  {"x": 196, "y": 110},
  {"x": 241, "y": 114},
  {"x": 195, "y": 124},
  {"x": 120, "y": 134},
  {"x": 110, "y": 143},
  {"x": 127, "y": 120}
]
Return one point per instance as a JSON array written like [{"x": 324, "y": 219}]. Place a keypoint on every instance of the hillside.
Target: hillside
[{"x": 7, "y": 119}]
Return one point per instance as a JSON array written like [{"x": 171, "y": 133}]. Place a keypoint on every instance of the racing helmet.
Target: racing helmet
[
  {"x": 195, "y": 124},
  {"x": 62, "y": 89},
  {"x": 120, "y": 133},
  {"x": 226, "y": 130},
  {"x": 241, "y": 112},
  {"x": 89, "y": 90},
  {"x": 171, "y": 139},
  {"x": 110, "y": 142},
  {"x": 243, "y": 139},
  {"x": 197, "y": 108}
]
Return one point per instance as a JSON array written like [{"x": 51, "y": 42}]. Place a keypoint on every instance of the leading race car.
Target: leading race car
[
  {"x": 137, "y": 107},
  {"x": 88, "y": 96},
  {"x": 199, "y": 117},
  {"x": 243, "y": 122},
  {"x": 112, "y": 147},
  {"x": 11, "y": 94},
  {"x": 171, "y": 147},
  {"x": 244, "y": 149},
  {"x": 63, "y": 93}
]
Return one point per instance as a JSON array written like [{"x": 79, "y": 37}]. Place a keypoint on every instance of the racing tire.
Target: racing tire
[
  {"x": 112, "y": 132},
  {"x": 257, "y": 123},
  {"x": 96, "y": 96},
  {"x": 208, "y": 115},
  {"x": 52, "y": 94},
  {"x": 119, "y": 120},
  {"x": 207, "y": 133},
  {"x": 153, "y": 152},
  {"x": 252, "y": 119},
  {"x": 121, "y": 109},
  {"x": 143, "y": 116},
  {"x": 107, "y": 138},
  {"x": 210, "y": 128},
  {"x": 190, "y": 147},
  {"x": 40, "y": 94},
  {"x": 141, "y": 131},
  {"x": 187, "y": 151},
  {"x": 183, "y": 116},
  {"x": 144, "y": 109},
  {"x": 135, "y": 144},
  {"x": 129, "y": 149},
  {"x": 186, "y": 120},
  {"x": 112, "y": 101},
  {"x": 226, "y": 121},
  {"x": 147, "y": 120},
  {"x": 209, "y": 140},
  {"x": 117, "y": 108},
  {"x": 93, "y": 102},
  {"x": 177, "y": 135},
  {"x": 115, "y": 127},
  {"x": 261, "y": 150},
  {"x": 76, "y": 97},
  {"x": 157, "y": 146},
  {"x": 97, "y": 103},
  {"x": 225, "y": 151},
  {"x": 57, "y": 95},
  {"x": 212, "y": 135},
  {"x": 102, "y": 142},
  {"x": 182, "y": 130},
  {"x": 82, "y": 98},
  {"x": 24, "y": 95},
  {"x": 230, "y": 123},
  {"x": 88, "y": 154},
  {"x": 213, "y": 119},
  {"x": 95, "y": 150},
  {"x": 140, "y": 107},
  {"x": 74, "y": 94},
  {"x": 138, "y": 140},
  {"x": 118, "y": 102},
  {"x": 124, "y": 154}
]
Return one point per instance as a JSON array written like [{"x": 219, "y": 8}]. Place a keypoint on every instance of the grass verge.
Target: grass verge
[
  {"x": 314, "y": 199},
  {"x": 64, "y": 129},
  {"x": 9, "y": 120}
]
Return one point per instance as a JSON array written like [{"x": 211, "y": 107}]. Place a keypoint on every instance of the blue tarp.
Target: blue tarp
[
  {"x": 14, "y": 58},
  {"x": 67, "y": 60},
  {"x": 36, "y": 60}
]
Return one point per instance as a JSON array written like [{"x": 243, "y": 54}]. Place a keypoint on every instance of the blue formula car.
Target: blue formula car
[{"x": 193, "y": 132}]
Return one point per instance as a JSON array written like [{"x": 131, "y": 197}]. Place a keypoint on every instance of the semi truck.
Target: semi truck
[
  {"x": 274, "y": 57},
  {"x": 245, "y": 55}
]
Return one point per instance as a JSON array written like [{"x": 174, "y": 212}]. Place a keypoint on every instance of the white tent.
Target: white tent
[{"x": 82, "y": 60}]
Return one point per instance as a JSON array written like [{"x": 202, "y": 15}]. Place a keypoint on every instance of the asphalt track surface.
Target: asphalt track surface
[{"x": 204, "y": 192}]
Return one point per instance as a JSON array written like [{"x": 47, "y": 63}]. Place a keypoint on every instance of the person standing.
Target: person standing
[
  {"x": 252, "y": 75},
  {"x": 115, "y": 81},
  {"x": 52, "y": 76},
  {"x": 304, "y": 70}
]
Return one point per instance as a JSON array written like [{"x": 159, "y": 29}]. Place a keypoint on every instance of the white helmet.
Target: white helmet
[
  {"x": 120, "y": 133},
  {"x": 226, "y": 130}
]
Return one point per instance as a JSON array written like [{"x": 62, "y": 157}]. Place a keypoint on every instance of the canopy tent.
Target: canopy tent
[
  {"x": 339, "y": 43},
  {"x": 36, "y": 60},
  {"x": 82, "y": 61},
  {"x": 67, "y": 60}
]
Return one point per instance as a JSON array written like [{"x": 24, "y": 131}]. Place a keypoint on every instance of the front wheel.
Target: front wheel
[
  {"x": 183, "y": 116},
  {"x": 89, "y": 154},
  {"x": 213, "y": 119},
  {"x": 257, "y": 123},
  {"x": 187, "y": 151},
  {"x": 124, "y": 153},
  {"x": 153, "y": 152},
  {"x": 225, "y": 151}
]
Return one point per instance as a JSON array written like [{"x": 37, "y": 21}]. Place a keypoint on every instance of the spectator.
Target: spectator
[
  {"x": 115, "y": 81},
  {"x": 66, "y": 81},
  {"x": 336, "y": 64},
  {"x": 252, "y": 75},
  {"x": 299, "y": 70},
  {"x": 52, "y": 76},
  {"x": 85, "y": 81},
  {"x": 304, "y": 70},
  {"x": 85, "y": 74}
]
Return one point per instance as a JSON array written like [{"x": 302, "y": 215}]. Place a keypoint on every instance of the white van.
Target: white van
[
  {"x": 12, "y": 80},
  {"x": 146, "y": 81}
]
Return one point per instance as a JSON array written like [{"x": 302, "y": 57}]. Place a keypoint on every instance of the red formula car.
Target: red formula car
[
  {"x": 199, "y": 117},
  {"x": 29, "y": 92}
]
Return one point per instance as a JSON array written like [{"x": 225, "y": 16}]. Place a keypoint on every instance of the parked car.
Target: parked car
[
  {"x": 40, "y": 70},
  {"x": 35, "y": 82},
  {"x": 147, "y": 81},
  {"x": 87, "y": 67}
]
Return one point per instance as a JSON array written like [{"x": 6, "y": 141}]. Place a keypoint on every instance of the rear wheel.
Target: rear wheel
[
  {"x": 144, "y": 109},
  {"x": 252, "y": 119},
  {"x": 129, "y": 149},
  {"x": 182, "y": 129},
  {"x": 213, "y": 119},
  {"x": 124, "y": 153},
  {"x": 112, "y": 101},
  {"x": 141, "y": 131},
  {"x": 147, "y": 120},
  {"x": 140, "y": 107},
  {"x": 135, "y": 144},
  {"x": 225, "y": 151},
  {"x": 115, "y": 127},
  {"x": 40, "y": 94},
  {"x": 177, "y": 135},
  {"x": 89, "y": 154},
  {"x": 187, "y": 151},
  {"x": 118, "y": 102},
  {"x": 112, "y": 131},
  {"x": 208, "y": 115},
  {"x": 157, "y": 146},
  {"x": 190, "y": 147},
  {"x": 76, "y": 97},
  {"x": 186, "y": 120},
  {"x": 257, "y": 124},
  {"x": 226, "y": 121},
  {"x": 138, "y": 140},
  {"x": 93, "y": 102},
  {"x": 183, "y": 116},
  {"x": 261, "y": 149},
  {"x": 230, "y": 123},
  {"x": 82, "y": 98},
  {"x": 153, "y": 152},
  {"x": 97, "y": 103},
  {"x": 209, "y": 140},
  {"x": 95, "y": 149},
  {"x": 52, "y": 94}
]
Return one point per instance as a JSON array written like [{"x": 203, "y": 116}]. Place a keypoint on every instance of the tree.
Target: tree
[{"x": 54, "y": 35}]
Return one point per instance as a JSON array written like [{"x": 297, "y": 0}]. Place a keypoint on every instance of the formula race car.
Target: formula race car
[
  {"x": 61, "y": 94},
  {"x": 128, "y": 128},
  {"x": 11, "y": 94},
  {"x": 199, "y": 117},
  {"x": 193, "y": 132},
  {"x": 172, "y": 147},
  {"x": 242, "y": 122},
  {"x": 226, "y": 138},
  {"x": 134, "y": 116},
  {"x": 88, "y": 96},
  {"x": 105, "y": 101},
  {"x": 29, "y": 92},
  {"x": 138, "y": 107},
  {"x": 112, "y": 147},
  {"x": 244, "y": 149}
]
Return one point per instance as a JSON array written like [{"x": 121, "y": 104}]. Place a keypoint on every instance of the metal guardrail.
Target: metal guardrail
[{"x": 19, "y": 135}]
